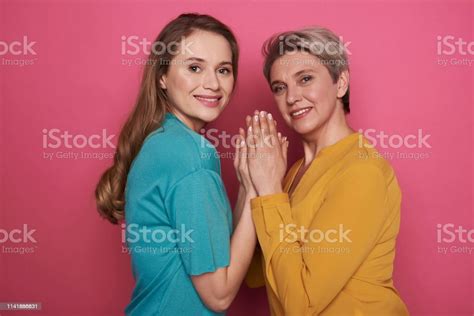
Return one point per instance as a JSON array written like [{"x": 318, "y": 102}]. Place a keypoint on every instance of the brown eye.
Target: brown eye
[
  {"x": 306, "y": 79},
  {"x": 224, "y": 71},
  {"x": 194, "y": 68},
  {"x": 278, "y": 89}
]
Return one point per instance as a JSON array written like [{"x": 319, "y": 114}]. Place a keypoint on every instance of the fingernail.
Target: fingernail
[
  {"x": 262, "y": 114},
  {"x": 256, "y": 118},
  {"x": 279, "y": 134},
  {"x": 284, "y": 138},
  {"x": 250, "y": 128},
  {"x": 270, "y": 116}
]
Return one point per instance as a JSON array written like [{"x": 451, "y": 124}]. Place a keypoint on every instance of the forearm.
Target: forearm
[
  {"x": 242, "y": 247},
  {"x": 239, "y": 206},
  {"x": 282, "y": 262}
]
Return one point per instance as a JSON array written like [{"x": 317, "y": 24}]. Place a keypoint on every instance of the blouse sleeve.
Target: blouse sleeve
[
  {"x": 254, "y": 277},
  {"x": 351, "y": 217}
]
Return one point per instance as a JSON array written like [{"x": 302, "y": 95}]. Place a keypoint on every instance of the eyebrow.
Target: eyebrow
[
  {"x": 294, "y": 75},
  {"x": 203, "y": 61},
  {"x": 275, "y": 82},
  {"x": 303, "y": 71}
]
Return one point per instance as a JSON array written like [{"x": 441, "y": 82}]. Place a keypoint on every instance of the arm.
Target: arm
[
  {"x": 239, "y": 206},
  {"x": 356, "y": 201},
  {"x": 218, "y": 289},
  {"x": 246, "y": 187}
]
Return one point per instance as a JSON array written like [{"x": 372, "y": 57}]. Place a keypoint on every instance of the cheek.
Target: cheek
[
  {"x": 282, "y": 107},
  {"x": 321, "y": 97},
  {"x": 227, "y": 85},
  {"x": 312, "y": 93},
  {"x": 185, "y": 83}
]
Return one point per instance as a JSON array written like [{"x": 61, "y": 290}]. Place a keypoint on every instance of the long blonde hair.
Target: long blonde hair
[{"x": 150, "y": 109}]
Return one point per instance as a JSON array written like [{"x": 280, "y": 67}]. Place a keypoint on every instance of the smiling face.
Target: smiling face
[
  {"x": 199, "y": 81},
  {"x": 305, "y": 92}
]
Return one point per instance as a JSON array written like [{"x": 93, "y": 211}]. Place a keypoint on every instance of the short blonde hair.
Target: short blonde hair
[{"x": 319, "y": 42}]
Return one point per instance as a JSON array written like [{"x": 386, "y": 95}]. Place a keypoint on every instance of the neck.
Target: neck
[
  {"x": 194, "y": 124},
  {"x": 335, "y": 129}
]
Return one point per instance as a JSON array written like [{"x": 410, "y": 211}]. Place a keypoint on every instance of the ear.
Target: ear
[
  {"x": 163, "y": 82},
  {"x": 343, "y": 84}
]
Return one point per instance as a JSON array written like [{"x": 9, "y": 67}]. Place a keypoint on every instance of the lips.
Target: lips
[
  {"x": 208, "y": 100},
  {"x": 300, "y": 113}
]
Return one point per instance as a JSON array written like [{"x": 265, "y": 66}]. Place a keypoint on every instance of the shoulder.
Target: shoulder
[
  {"x": 175, "y": 151},
  {"x": 364, "y": 158},
  {"x": 366, "y": 170}
]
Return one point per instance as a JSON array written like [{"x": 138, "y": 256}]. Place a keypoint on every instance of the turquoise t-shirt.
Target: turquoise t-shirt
[{"x": 178, "y": 218}]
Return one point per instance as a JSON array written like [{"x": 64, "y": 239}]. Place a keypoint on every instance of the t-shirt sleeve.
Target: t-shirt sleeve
[{"x": 198, "y": 205}]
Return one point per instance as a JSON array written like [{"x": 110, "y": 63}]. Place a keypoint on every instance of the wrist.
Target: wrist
[
  {"x": 270, "y": 190},
  {"x": 247, "y": 193},
  {"x": 250, "y": 194}
]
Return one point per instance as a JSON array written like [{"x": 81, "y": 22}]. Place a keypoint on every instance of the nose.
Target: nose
[
  {"x": 210, "y": 81},
  {"x": 293, "y": 95}
]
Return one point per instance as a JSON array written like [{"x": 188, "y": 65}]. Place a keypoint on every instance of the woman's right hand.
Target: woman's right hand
[{"x": 267, "y": 158}]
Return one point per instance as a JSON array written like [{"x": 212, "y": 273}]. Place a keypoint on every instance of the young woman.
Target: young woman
[
  {"x": 166, "y": 180},
  {"x": 327, "y": 231}
]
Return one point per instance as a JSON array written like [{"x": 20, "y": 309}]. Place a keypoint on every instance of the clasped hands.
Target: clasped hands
[{"x": 261, "y": 156}]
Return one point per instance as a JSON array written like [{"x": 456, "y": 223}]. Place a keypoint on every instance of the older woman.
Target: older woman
[{"x": 327, "y": 230}]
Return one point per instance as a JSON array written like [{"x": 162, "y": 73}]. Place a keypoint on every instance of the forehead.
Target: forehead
[
  {"x": 211, "y": 47},
  {"x": 291, "y": 63}
]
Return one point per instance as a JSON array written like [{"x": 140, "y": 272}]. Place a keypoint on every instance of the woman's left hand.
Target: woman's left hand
[
  {"x": 241, "y": 167},
  {"x": 267, "y": 154}
]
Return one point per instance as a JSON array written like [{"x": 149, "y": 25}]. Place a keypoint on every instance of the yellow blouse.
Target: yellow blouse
[{"x": 328, "y": 249}]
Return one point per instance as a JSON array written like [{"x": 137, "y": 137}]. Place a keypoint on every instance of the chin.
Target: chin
[
  {"x": 209, "y": 115},
  {"x": 303, "y": 128}
]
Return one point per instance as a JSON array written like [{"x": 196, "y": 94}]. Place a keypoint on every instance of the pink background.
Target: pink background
[{"x": 77, "y": 83}]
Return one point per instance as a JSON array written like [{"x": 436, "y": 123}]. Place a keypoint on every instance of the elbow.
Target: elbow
[
  {"x": 214, "y": 290},
  {"x": 219, "y": 305}
]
